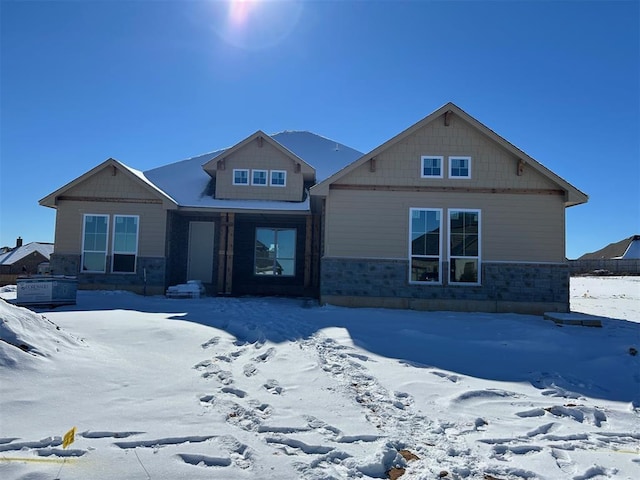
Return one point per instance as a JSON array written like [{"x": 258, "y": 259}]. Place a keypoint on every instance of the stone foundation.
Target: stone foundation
[
  {"x": 135, "y": 282},
  {"x": 506, "y": 287}
]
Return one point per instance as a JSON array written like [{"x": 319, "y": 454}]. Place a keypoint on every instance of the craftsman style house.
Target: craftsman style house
[{"x": 445, "y": 215}]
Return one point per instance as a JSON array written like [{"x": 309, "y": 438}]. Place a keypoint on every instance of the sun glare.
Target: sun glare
[{"x": 256, "y": 24}]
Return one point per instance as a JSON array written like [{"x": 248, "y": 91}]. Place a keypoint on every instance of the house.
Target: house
[
  {"x": 445, "y": 215},
  {"x": 238, "y": 219},
  {"x": 619, "y": 258},
  {"x": 29, "y": 259}
]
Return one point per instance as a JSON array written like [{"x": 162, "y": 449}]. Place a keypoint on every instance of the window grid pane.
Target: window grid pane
[
  {"x": 425, "y": 245},
  {"x": 275, "y": 251},
  {"x": 464, "y": 246}
]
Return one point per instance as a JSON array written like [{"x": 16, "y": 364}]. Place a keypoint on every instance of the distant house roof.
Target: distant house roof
[
  {"x": 624, "y": 249},
  {"x": 18, "y": 253}
]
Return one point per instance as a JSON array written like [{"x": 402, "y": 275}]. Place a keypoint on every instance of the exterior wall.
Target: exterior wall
[
  {"x": 375, "y": 224},
  {"x": 507, "y": 287},
  {"x": 265, "y": 157},
  {"x": 491, "y": 165},
  {"x": 605, "y": 265},
  {"x": 69, "y": 218}
]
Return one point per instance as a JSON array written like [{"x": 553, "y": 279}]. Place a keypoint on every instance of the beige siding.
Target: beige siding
[
  {"x": 266, "y": 157},
  {"x": 491, "y": 165},
  {"x": 106, "y": 184},
  {"x": 69, "y": 218},
  {"x": 375, "y": 224}
]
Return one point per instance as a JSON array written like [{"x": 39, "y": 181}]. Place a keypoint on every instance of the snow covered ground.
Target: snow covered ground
[{"x": 257, "y": 388}]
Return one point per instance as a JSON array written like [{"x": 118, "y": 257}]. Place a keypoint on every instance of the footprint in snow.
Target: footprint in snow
[{"x": 273, "y": 387}]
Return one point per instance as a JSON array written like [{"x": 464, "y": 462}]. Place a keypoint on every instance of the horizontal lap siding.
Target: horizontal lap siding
[
  {"x": 69, "y": 226},
  {"x": 375, "y": 224}
]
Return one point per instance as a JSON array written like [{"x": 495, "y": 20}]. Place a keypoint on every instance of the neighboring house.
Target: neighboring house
[
  {"x": 239, "y": 219},
  {"x": 620, "y": 258},
  {"x": 29, "y": 259},
  {"x": 446, "y": 215}
]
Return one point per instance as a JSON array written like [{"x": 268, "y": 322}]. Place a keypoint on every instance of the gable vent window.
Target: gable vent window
[
  {"x": 431, "y": 167},
  {"x": 259, "y": 177},
  {"x": 459, "y": 167},
  {"x": 240, "y": 177},
  {"x": 278, "y": 178}
]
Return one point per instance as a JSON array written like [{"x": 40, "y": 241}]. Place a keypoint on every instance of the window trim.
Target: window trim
[
  {"x": 459, "y": 157},
  {"x": 106, "y": 250},
  {"x": 431, "y": 157},
  {"x": 240, "y": 170},
  {"x": 440, "y": 246},
  {"x": 266, "y": 178},
  {"x": 271, "y": 184},
  {"x": 478, "y": 257},
  {"x": 275, "y": 258},
  {"x": 113, "y": 245}
]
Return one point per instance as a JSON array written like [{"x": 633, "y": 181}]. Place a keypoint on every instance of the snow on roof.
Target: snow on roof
[
  {"x": 188, "y": 184},
  {"x": 11, "y": 257},
  {"x": 325, "y": 155},
  {"x": 633, "y": 250}
]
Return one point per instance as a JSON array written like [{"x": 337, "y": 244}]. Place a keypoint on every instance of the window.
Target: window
[
  {"x": 125, "y": 243},
  {"x": 460, "y": 167},
  {"x": 464, "y": 246},
  {"x": 275, "y": 252},
  {"x": 240, "y": 177},
  {"x": 278, "y": 178},
  {"x": 94, "y": 243},
  {"x": 259, "y": 177},
  {"x": 431, "y": 167},
  {"x": 425, "y": 248}
]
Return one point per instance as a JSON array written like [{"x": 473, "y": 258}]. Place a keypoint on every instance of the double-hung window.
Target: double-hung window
[
  {"x": 464, "y": 246},
  {"x": 278, "y": 178},
  {"x": 275, "y": 251},
  {"x": 259, "y": 177},
  {"x": 240, "y": 176},
  {"x": 425, "y": 245},
  {"x": 125, "y": 243},
  {"x": 459, "y": 167},
  {"x": 94, "y": 243},
  {"x": 431, "y": 167}
]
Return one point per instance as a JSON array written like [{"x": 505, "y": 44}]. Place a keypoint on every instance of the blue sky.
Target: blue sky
[{"x": 152, "y": 82}]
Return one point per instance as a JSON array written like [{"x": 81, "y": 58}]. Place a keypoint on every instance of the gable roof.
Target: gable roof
[
  {"x": 624, "y": 249},
  {"x": 573, "y": 195},
  {"x": 135, "y": 175},
  {"x": 18, "y": 253},
  {"x": 188, "y": 184},
  {"x": 211, "y": 165}
]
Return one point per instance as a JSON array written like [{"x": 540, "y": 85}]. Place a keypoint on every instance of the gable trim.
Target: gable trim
[
  {"x": 51, "y": 200},
  {"x": 424, "y": 189},
  {"x": 573, "y": 195}
]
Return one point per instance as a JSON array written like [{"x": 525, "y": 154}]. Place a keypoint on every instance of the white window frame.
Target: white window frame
[
  {"x": 240, "y": 170},
  {"x": 106, "y": 245},
  {"x": 478, "y": 258},
  {"x": 440, "y": 247},
  {"x": 284, "y": 172},
  {"x": 458, "y": 157},
  {"x": 266, "y": 178},
  {"x": 431, "y": 157},
  {"x": 124, "y": 252}
]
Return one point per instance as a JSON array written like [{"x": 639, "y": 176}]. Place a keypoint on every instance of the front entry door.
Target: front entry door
[{"x": 200, "y": 257}]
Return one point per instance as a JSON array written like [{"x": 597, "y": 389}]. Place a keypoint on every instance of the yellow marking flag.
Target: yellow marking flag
[{"x": 69, "y": 437}]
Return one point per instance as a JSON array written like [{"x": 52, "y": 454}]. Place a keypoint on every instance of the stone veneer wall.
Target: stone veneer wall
[
  {"x": 155, "y": 274},
  {"x": 506, "y": 287}
]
